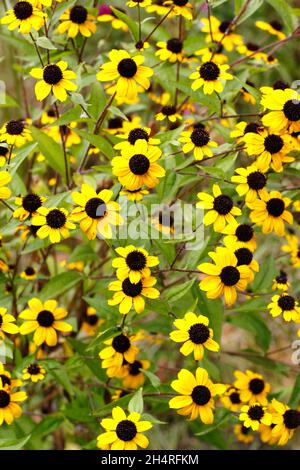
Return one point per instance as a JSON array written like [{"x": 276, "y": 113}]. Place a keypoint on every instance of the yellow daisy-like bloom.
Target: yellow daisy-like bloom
[
  {"x": 270, "y": 212},
  {"x": 218, "y": 29},
  {"x": 172, "y": 50},
  {"x": 134, "y": 376},
  {"x": 138, "y": 3},
  {"x": 242, "y": 128},
  {"x": 136, "y": 166},
  {"x": 243, "y": 434},
  {"x": 134, "y": 134},
  {"x": 34, "y": 372},
  {"x": 123, "y": 432},
  {"x": 251, "y": 182},
  {"x": 193, "y": 332},
  {"x": 270, "y": 149},
  {"x": 293, "y": 247},
  {"x": 54, "y": 78},
  {"x": 158, "y": 7},
  {"x": 70, "y": 137},
  {"x": 225, "y": 276},
  {"x": 118, "y": 350},
  {"x": 9, "y": 407},
  {"x": 5, "y": 154},
  {"x": 164, "y": 223},
  {"x": 251, "y": 49},
  {"x": 196, "y": 395},
  {"x": 128, "y": 294},
  {"x": 198, "y": 141},
  {"x": 210, "y": 76},
  {"x": 180, "y": 8},
  {"x": 266, "y": 435},
  {"x": 134, "y": 195},
  {"x": 252, "y": 387},
  {"x": 15, "y": 133},
  {"x": 285, "y": 305},
  {"x": 286, "y": 421},
  {"x": 28, "y": 206},
  {"x": 284, "y": 106},
  {"x": 168, "y": 112},
  {"x": 134, "y": 263},
  {"x": 129, "y": 72},
  {"x": 45, "y": 3},
  {"x": 5, "y": 178},
  {"x": 281, "y": 282},
  {"x": 244, "y": 256},
  {"x": 53, "y": 223},
  {"x": 240, "y": 235},
  {"x": 7, "y": 323},
  {"x": 255, "y": 415},
  {"x": 29, "y": 274},
  {"x": 44, "y": 319},
  {"x": 24, "y": 17},
  {"x": 231, "y": 398},
  {"x": 273, "y": 27},
  {"x": 77, "y": 20},
  {"x": 6, "y": 379},
  {"x": 91, "y": 322},
  {"x": 107, "y": 15},
  {"x": 96, "y": 212},
  {"x": 220, "y": 208},
  {"x": 206, "y": 53}
]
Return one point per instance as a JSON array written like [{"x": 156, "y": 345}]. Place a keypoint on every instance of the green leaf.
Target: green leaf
[
  {"x": 263, "y": 279},
  {"x": 252, "y": 7},
  {"x": 137, "y": 403},
  {"x": 132, "y": 25},
  {"x": 225, "y": 417},
  {"x": 106, "y": 410},
  {"x": 100, "y": 142},
  {"x": 60, "y": 284},
  {"x": 255, "y": 324},
  {"x": 285, "y": 12},
  {"x": 295, "y": 396},
  {"x": 47, "y": 426},
  {"x": 71, "y": 115},
  {"x": 97, "y": 100},
  {"x": 13, "y": 444},
  {"x": 50, "y": 149},
  {"x": 177, "y": 292},
  {"x": 155, "y": 381},
  {"x": 45, "y": 43}
]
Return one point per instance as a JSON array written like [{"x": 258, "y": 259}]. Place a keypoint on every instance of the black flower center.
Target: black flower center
[
  {"x": 201, "y": 395},
  {"x": 5, "y": 380},
  {"x": 291, "y": 110},
  {"x": 252, "y": 127},
  {"x": 244, "y": 233},
  {"x": 52, "y": 74},
  {"x": 4, "y": 399},
  {"x": 3, "y": 151},
  {"x": 135, "y": 368},
  {"x": 33, "y": 369},
  {"x": 256, "y": 412},
  {"x": 286, "y": 302},
  {"x": 245, "y": 431},
  {"x": 130, "y": 289},
  {"x": 280, "y": 85},
  {"x": 51, "y": 113},
  {"x": 92, "y": 319},
  {"x": 139, "y": 164},
  {"x": 136, "y": 134},
  {"x": 200, "y": 137},
  {"x": 45, "y": 318},
  {"x": 282, "y": 278},
  {"x": 168, "y": 110},
  {"x": 121, "y": 343},
  {"x": 31, "y": 203},
  {"x": 14, "y": 127},
  {"x": 1, "y": 320},
  {"x": 136, "y": 260},
  {"x": 209, "y": 71},
  {"x": 291, "y": 419},
  {"x": 127, "y": 68},
  {"x": 115, "y": 123},
  {"x": 29, "y": 271},
  {"x": 78, "y": 14},
  {"x": 252, "y": 47},
  {"x": 180, "y": 3},
  {"x": 199, "y": 333},
  {"x": 23, "y": 10},
  {"x": 96, "y": 208},
  {"x": 275, "y": 207},
  {"x": 276, "y": 25},
  {"x": 256, "y": 386},
  {"x": 223, "y": 204},
  {"x": 126, "y": 430},
  {"x": 56, "y": 218},
  {"x": 230, "y": 276},
  {"x": 256, "y": 180},
  {"x": 166, "y": 219},
  {"x": 244, "y": 256},
  {"x": 235, "y": 398},
  {"x": 174, "y": 45},
  {"x": 65, "y": 130},
  {"x": 224, "y": 26},
  {"x": 273, "y": 143}
]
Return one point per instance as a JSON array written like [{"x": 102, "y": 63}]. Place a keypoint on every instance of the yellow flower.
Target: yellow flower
[
  {"x": 196, "y": 395},
  {"x": 281, "y": 282},
  {"x": 285, "y": 305},
  {"x": 28, "y": 206},
  {"x": 25, "y": 17},
  {"x": 243, "y": 434},
  {"x": 133, "y": 134},
  {"x": 128, "y": 294},
  {"x": 198, "y": 141},
  {"x": 244, "y": 256},
  {"x": 133, "y": 374},
  {"x": 220, "y": 208},
  {"x": 134, "y": 195},
  {"x": 5, "y": 178},
  {"x": 15, "y": 133},
  {"x": 9, "y": 407},
  {"x": 109, "y": 15},
  {"x": 123, "y": 432},
  {"x": 136, "y": 166},
  {"x": 96, "y": 212},
  {"x": 170, "y": 50},
  {"x": 254, "y": 415},
  {"x": 54, "y": 78},
  {"x": 252, "y": 387},
  {"x": 242, "y": 128},
  {"x": 53, "y": 223},
  {"x": 158, "y": 7},
  {"x": 118, "y": 351},
  {"x": 129, "y": 72},
  {"x": 180, "y": 8},
  {"x": 210, "y": 76},
  {"x": 91, "y": 322},
  {"x": 207, "y": 53},
  {"x": 29, "y": 274},
  {"x": 239, "y": 235},
  {"x": 7, "y": 323},
  {"x": 44, "y": 319},
  {"x": 70, "y": 137},
  {"x": 284, "y": 106},
  {"x": 251, "y": 181},
  {"x": 218, "y": 29},
  {"x": 195, "y": 335},
  {"x": 6, "y": 379},
  {"x": 34, "y": 372},
  {"x": 231, "y": 398},
  {"x": 134, "y": 262},
  {"x": 139, "y": 3},
  {"x": 225, "y": 276},
  {"x": 251, "y": 49},
  {"x": 270, "y": 212},
  {"x": 286, "y": 421},
  {"x": 5, "y": 154},
  {"x": 293, "y": 247},
  {"x": 77, "y": 20},
  {"x": 273, "y": 27}
]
